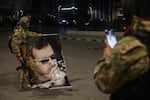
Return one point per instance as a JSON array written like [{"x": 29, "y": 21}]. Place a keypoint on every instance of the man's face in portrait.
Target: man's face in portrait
[{"x": 45, "y": 60}]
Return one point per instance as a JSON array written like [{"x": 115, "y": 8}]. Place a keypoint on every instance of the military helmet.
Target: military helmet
[{"x": 25, "y": 19}]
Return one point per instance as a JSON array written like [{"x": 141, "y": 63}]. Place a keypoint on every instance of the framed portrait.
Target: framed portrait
[{"x": 46, "y": 60}]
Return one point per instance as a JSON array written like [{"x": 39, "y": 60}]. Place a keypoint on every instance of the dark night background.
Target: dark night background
[{"x": 90, "y": 14}]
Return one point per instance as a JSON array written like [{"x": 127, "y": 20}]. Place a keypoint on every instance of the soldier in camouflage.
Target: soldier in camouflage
[
  {"x": 124, "y": 71},
  {"x": 19, "y": 41}
]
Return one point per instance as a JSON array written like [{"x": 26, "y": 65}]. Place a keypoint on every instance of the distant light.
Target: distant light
[
  {"x": 52, "y": 16},
  {"x": 40, "y": 21},
  {"x": 71, "y": 8},
  {"x": 48, "y": 14},
  {"x": 87, "y": 23},
  {"x": 64, "y": 21},
  {"x": 123, "y": 18}
]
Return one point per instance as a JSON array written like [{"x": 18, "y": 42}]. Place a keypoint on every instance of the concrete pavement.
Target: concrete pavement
[
  {"x": 69, "y": 33},
  {"x": 88, "y": 35}
]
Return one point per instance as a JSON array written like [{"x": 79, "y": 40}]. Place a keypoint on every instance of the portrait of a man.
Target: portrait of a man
[{"x": 49, "y": 65}]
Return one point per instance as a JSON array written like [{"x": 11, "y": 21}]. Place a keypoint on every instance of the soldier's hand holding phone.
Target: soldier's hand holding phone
[
  {"x": 111, "y": 38},
  {"x": 110, "y": 41}
]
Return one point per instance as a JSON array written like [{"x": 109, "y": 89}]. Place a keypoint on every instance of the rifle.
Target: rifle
[{"x": 23, "y": 72}]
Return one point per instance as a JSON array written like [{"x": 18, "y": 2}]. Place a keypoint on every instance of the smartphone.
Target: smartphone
[{"x": 111, "y": 38}]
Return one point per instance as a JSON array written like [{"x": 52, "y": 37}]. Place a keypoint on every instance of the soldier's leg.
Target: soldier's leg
[{"x": 31, "y": 70}]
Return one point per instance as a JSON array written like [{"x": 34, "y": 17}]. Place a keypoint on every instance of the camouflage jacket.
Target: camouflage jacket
[
  {"x": 19, "y": 39},
  {"x": 128, "y": 61}
]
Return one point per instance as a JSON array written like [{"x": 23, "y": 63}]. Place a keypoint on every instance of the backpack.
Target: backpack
[{"x": 9, "y": 43}]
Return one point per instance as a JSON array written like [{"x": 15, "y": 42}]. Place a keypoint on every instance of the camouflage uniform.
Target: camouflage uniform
[
  {"x": 19, "y": 40},
  {"x": 128, "y": 61}
]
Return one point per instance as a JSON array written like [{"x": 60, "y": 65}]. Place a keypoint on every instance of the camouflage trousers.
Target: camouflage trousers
[{"x": 30, "y": 66}]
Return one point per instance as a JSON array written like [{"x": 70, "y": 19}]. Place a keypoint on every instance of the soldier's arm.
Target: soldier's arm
[
  {"x": 127, "y": 61},
  {"x": 16, "y": 42},
  {"x": 32, "y": 34}
]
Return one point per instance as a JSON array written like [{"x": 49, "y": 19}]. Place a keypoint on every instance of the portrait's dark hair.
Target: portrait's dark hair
[{"x": 42, "y": 41}]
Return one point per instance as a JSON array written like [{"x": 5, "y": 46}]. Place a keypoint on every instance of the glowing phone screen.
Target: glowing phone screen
[{"x": 111, "y": 38}]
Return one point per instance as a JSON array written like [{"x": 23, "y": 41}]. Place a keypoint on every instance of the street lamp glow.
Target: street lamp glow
[{"x": 71, "y": 8}]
